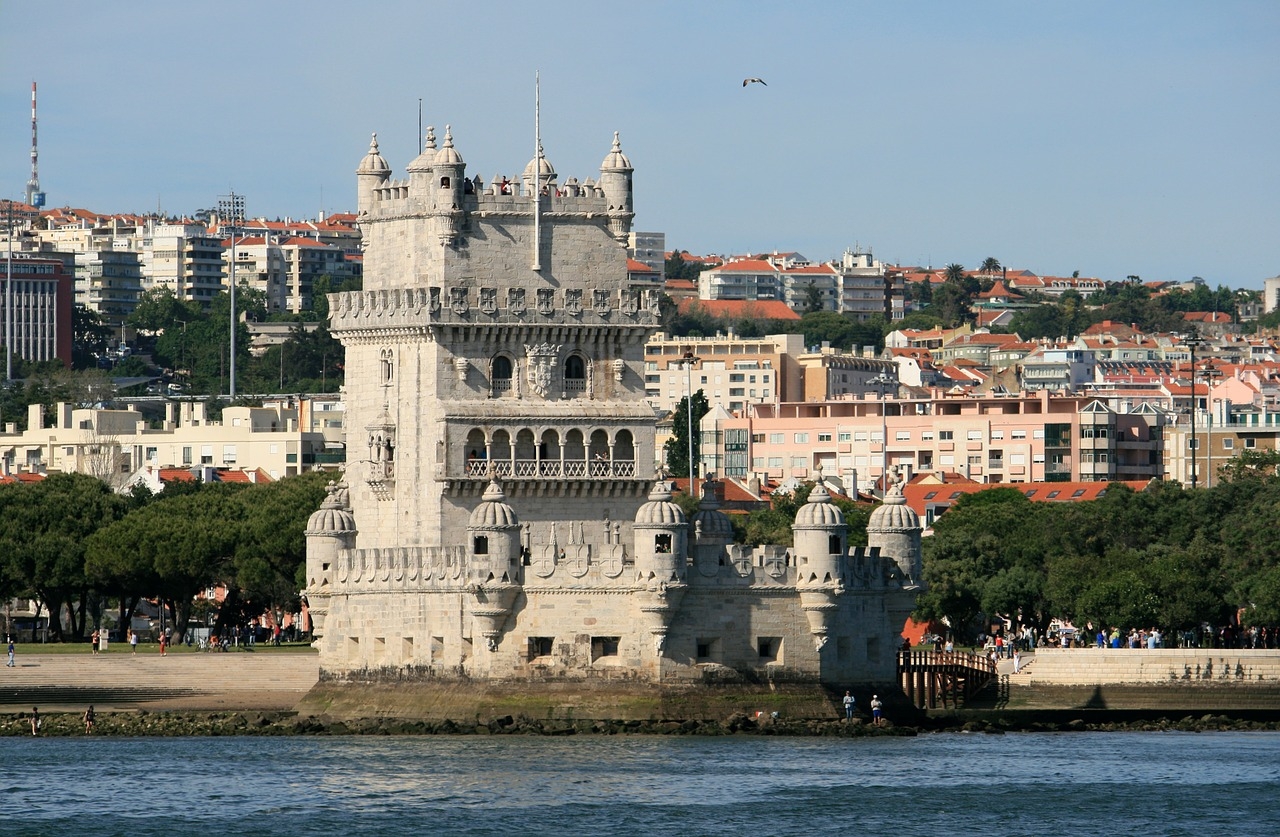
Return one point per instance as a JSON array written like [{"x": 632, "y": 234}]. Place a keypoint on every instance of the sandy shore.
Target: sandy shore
[{"x": 266, "y": 680}]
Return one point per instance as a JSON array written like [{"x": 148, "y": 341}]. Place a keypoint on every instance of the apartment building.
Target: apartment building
[
  {"x": 183, "y": 257},
  {"x": 40, "y": 292},
  {"x": 990, "y": 439},
  {"x": 732, "y": 371},
  {"x": 281, "y": 438},
  {"x": 286, "y": 268}
]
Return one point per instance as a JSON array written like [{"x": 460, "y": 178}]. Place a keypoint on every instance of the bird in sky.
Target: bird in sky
[{"x": 753, "y": 80}]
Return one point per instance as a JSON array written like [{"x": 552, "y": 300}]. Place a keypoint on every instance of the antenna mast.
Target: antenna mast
[{"x": 34, "y": 196}]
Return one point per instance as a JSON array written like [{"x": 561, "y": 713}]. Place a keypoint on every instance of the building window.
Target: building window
[
  {"x": 502, "y": 374},
  {"x": 777, "y": 438},
  {"x": 662, "y": 543},
  {"x": 902, "y": 436},
  {"x": 540, "y": 646},
  {"x": 707, "y": 649},
  {"x": 824, "y": 437},
  {"x": 802, "y": 438},
  {"x": 845, "y": 436},
  {"x": 1017, "y": 434},
  {"x": 1250, "y": 444},
  {"x": 481, "y": 545},
  {"x": 604, "y": 646},
  {"x": 946, "y": 435},
  {"x": 769, "y": 648},
  {"x": 975, "y": 435}
]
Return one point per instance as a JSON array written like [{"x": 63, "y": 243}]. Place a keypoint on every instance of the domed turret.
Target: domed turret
[
  {"x": 710, "y": 524},
  {"x": 448, "y": 175},
  {"x": 895, "y": 528},
  {"x": 331, "y": 529},
  {"x": 546, "y": 172},
  {"x": 372, "y": 172},
  {"x": 615, "y": 181},
  {"x": 819, "y": 536},
  {"x": 421, "y": 167},
  {"x": 661, "y": 534},
  {"x": 494, "y": 563}
]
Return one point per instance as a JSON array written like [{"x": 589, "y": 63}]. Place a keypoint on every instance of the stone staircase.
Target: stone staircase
[{"x": 266, "y": 680}]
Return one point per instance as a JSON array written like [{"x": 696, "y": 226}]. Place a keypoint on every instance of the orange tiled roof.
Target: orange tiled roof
[{"x": 767, "y": 309}]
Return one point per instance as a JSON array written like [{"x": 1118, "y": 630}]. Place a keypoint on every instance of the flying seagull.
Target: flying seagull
[{"x": 747, "y": 81}]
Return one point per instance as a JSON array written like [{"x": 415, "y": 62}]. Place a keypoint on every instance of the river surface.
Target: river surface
[{"x": 1093, "y": 783}]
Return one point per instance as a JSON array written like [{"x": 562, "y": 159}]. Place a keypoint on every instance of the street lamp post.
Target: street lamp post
[
  {"x": 883, "y": 382},
  {"x": 689, "y": 359},
  {"x": 1192, "y": 342},
  {"x": 1208, "y": 374}
]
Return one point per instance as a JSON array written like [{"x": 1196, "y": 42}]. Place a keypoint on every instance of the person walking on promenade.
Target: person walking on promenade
[
  {"x": 849, "y": 706},
  {"x": 162, "y": 646},
  {"x": 35, "y": 720},
  {"x": 10, "y": 663},
  {"x": 133, "y": 642},
  {"x": 94, "y": 642},
  {"x": 877, "y": 711},
  {"x": 88, "y": 720}
]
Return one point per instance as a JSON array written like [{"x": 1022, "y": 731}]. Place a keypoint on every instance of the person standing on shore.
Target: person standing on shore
[
  {"x": 10, "y": 663},
  {"x": 162, "y": 644},
  {"x": 35, "y": 720},
  {"x": 88, "y": 720},
  {"x": 94, "y": 640},
  {"x": 877, "y": 711},
  {"x": 849, "y": 705},
  {"x": 133, "y": 642}
]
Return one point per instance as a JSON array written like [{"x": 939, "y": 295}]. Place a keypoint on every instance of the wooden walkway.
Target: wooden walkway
[{"x": 942, "y": 680}]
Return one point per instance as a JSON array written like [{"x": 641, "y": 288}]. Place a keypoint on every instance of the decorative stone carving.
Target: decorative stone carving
[
  {"x": 573, "y": 301},
  {"x": 619, "y": 366},
  {"x": 489, "y": 300},
  {"x": 600, "y": 301},
  {"x": 546, "y": 301},
  {"x": 434, "y": 300},
  {"x": 515, "y": 301},
  {"x": 458, "y": 301},
  {"x": 541, "y": 361},
  {"x": 460, "y": 366},
  {"x": 630, "y": 301}
]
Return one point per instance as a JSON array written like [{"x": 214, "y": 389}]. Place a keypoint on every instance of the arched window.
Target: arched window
[
  {"x": 387, "y": 366},
  {"x": 481, "y": 545},
  {"x": 502, "y": 374},
  {"x": 444, "y": 182},
  {"x": 575, "y": 374}
]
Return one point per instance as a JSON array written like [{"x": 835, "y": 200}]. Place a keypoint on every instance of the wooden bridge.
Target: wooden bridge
[{"x": 943, "y": 680}]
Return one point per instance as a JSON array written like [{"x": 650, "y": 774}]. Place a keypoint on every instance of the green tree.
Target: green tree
[
  {"x": 43, "y": 529},
  {"x": 89, "y": 335},
  {"x": 677, "y": 446}
]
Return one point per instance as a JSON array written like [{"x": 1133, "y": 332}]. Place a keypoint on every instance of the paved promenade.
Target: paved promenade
[{"x": 261, "y": 680}]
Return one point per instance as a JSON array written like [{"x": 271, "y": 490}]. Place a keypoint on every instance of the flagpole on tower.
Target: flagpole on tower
[{"x": 536, "y": 181}]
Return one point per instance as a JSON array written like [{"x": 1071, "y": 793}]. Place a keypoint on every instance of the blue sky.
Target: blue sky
[{"x": 1108, "y": 137}]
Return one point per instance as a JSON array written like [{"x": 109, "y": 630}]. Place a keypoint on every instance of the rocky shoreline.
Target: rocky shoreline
[{"x": 143, "y": 723}]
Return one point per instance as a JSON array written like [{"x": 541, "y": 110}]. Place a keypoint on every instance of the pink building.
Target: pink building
[{"x": 990, "y": 439}]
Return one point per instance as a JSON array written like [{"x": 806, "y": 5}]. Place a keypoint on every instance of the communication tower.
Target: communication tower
[{"x": 34, "y": 196}]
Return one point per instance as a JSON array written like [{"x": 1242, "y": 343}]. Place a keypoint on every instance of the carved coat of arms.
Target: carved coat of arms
[
  {"x": 515, "y": 301},
  {"x": 600, "y": 301},
  {"x": 489, "y": 300},
  {"x": 542, "y": 359},
  {"x": 573, "y": 301},
  {"x": 458, "y": 301},
  {"x": 546, "y": 300}
]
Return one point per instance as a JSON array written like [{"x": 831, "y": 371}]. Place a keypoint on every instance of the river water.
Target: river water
[{"x": 1094, "y": 783}]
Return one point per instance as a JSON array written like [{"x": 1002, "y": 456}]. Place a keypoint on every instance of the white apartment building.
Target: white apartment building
[
  {"x": 185, "y": 258},
  {"x": 282, "y": 439},
  {"x": 285, "y": 268}
]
